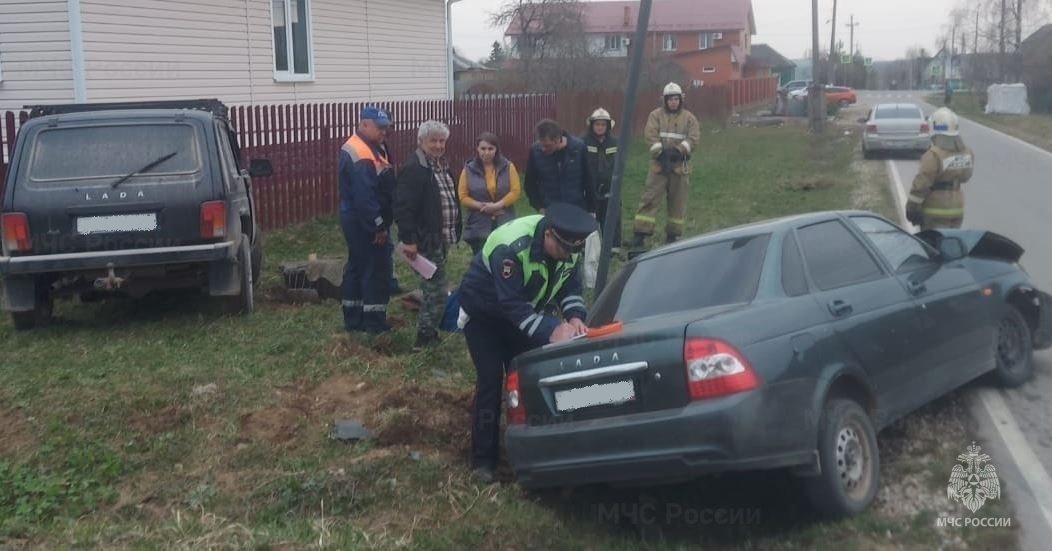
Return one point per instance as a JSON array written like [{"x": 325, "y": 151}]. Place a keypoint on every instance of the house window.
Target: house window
[
  {"x": 613, "y": 42},
  {"x": 704, "y": 41},
  {"x": 708, "y": 69},
  {"x": 668, "y": 43},
  {"x": 293, "y": 59}
]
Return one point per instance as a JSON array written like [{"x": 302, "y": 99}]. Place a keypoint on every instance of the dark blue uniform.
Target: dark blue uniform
[
  {"x": 367, "y": 186},
  {"x": 506, "y": 293}
]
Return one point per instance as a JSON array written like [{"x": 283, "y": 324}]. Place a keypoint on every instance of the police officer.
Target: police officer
[
  {"x": 672, "y": 133},
  {"x": 600, "y": 152},
  {"x": 525, "y": 266},
  {"x": 367, "y": 186},
  {"x": 936, "y": 199}
]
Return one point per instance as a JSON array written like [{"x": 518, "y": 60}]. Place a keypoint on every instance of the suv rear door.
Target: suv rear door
[{"x": 86, "y": 183}]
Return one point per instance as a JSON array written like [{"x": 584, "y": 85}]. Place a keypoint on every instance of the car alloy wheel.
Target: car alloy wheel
[{"x": 1014, "y": 352}]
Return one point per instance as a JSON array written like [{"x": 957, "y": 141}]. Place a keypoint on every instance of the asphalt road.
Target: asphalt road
[{"x": 1010, "y": 193}]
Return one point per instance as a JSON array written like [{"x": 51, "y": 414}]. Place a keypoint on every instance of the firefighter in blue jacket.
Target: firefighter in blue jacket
[
  {"x": 367, "y": 184},
  {"x": 525, "y": 266}
]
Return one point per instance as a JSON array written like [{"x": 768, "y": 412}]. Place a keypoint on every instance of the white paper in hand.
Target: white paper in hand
[{"x": 422, "y": 265}]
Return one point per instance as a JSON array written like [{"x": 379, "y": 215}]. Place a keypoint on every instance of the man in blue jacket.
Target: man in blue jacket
[
  {"x": 367, "y": 185},
  {"x": 557, "y": 170}
]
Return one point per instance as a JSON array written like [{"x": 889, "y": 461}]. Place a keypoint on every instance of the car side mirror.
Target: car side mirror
[
  {"x": 952, "y": 248},
  {"x": 260, "y": 168}
]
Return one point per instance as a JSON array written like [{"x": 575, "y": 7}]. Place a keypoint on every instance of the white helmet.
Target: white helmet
[
  {"x": 601, "y": 114},
  {"x": 672, "y": 89},
  {"x": 944, "y": 122}
]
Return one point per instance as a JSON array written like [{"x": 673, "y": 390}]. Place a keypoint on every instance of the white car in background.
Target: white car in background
[{"x": 895, "y": 127}]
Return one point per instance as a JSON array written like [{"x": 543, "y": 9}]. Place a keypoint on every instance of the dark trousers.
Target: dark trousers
[
  {"x": 492, "y": 343},
  {"x": 600, "y": 215},
  {"x": 366, "y": 280},
  {"x": 476, "y": 245}
]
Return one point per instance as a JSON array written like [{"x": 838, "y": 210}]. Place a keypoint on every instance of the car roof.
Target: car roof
[
  {"x": 773, "y": 226},
  {"x": 122, "y": 114},
  {"x": 896, "y": 105}
]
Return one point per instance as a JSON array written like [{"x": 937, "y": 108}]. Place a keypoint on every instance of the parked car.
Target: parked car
[
  {"x": 895, "y": 127},
  {"x": 795, "y": 85},
  {"x": 782, "y": 344},
  {"x": 127, "y": 198},
  {"x": 841, "y": 95}
]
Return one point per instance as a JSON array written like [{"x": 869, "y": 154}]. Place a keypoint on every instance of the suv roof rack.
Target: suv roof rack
[{"x": 213, "y": 106}]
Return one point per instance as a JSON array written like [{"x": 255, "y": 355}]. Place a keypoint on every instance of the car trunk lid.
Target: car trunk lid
[{"x": 639, "y": 369}]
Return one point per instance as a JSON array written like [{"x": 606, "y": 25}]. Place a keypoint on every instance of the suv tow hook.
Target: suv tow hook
[{"x": 110, "y": 282}]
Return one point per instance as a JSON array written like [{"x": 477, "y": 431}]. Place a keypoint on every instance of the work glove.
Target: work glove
[{"x": 914, "y": 213}]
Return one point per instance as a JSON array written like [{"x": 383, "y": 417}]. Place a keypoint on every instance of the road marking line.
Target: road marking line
[
  {"x": 1033, "y": 473},
  {"x": 900, "y": 197}
]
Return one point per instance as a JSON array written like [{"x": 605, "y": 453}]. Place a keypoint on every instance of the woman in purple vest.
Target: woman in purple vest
[{"x": 489, "y": 187}]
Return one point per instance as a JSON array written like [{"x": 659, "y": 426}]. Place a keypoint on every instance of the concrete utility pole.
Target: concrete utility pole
[
  {"x": 852, "y": 24},
  {"x": 815, "y": 97},
  {"x": 832, "y": 49},
  {"x": 613, "y": 213}
]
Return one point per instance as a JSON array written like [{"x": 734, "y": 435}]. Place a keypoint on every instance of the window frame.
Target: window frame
[
  {"x": 708, "y": 69},
  {"x": 669, "y": 39},
  {"x": 705, "y": 40},
  {"x": 608, "y": 41},
  {"x": 863, "y": 243},
  {"x": 883, "y": 258},
  {"x": 290, "y": 75}
]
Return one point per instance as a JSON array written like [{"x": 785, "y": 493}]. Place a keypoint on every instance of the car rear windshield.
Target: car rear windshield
[
  {"x": 898, "y": 113},
  {"x": 727, "y": 272},
  {"x": 112, "y": 151}
]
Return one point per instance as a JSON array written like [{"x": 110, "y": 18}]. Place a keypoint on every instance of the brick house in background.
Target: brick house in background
[{"x": 710, "y": 40}]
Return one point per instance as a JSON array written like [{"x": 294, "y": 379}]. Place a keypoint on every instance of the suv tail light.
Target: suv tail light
[
  {"x": 15, "y": 231},
  {"x": 871, "y": 129},
  {"x": 715, "y": 368},
  {"x": 514, "y": 408},
  {"x": 924, "y": 128},
  {"x": 213, "y": 219}
]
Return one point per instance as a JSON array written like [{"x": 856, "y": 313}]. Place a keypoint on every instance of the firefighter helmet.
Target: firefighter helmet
[
  {"x": 600, "y": 114},
  {"x": 944, "y": 121},
  {"x": 672, "y": 89}
]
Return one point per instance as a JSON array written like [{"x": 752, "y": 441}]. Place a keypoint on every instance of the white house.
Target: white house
[{"x": 240, "y": 51}]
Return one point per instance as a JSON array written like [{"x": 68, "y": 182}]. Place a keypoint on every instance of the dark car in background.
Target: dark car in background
[
  {"x": 782, "y": 344},
  {"x": 127, "y": 199}
]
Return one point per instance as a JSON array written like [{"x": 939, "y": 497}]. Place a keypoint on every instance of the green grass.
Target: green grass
[
  {"x": 109, "y": 438},
  {"x": 1035, "y": 128}
]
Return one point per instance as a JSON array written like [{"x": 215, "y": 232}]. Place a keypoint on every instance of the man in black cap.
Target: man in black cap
[{"x": 525, "y": 266}]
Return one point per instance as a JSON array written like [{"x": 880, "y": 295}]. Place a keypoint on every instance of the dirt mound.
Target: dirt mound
[
  {"x": 15, "y": 432},
  {"x": 165, "y": 420},
  {"x": 405, "y": 416}
]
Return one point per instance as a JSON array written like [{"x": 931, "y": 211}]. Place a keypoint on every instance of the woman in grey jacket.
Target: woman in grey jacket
[{"x": 489, "y": 188}]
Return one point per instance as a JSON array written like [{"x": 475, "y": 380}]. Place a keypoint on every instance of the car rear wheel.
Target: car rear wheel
[
  {"x": 243, "y": 302},
  {"x": 847, "y": 449},
  {"x": 866, "y": 153},
  {"x": 40, "y": 315},
  {"x": 1014, "y": 353},
  {"x": 257, "y": 258}
]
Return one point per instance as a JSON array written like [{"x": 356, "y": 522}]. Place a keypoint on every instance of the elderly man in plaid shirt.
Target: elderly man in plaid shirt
[{"x": 428, "y": 216}]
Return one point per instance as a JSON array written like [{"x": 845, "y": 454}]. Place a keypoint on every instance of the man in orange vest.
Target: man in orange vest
[{"x": 367, "y": 184}]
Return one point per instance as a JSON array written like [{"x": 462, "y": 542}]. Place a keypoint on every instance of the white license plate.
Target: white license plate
[
  {"x": 595, "y": 395},
  {"x": 117, "y": 223}
]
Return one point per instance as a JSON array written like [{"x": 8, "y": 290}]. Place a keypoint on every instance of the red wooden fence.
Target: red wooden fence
[
  {"x": 303, "y": 141},
  {"x": 752, "y": 90}
]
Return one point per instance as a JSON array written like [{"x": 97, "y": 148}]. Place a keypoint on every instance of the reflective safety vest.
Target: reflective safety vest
[{"x": 540, "y": 283}]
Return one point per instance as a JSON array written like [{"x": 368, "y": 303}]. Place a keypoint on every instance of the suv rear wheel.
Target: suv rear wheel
[
  {"x": 40, "y": 315},
  {"x": 847, "y": 449}
]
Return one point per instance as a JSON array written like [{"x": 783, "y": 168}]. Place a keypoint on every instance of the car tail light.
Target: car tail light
[
  {"x": 924, "y": 128},
  {"x": 213, "y": 219},
  {"x": 514, "y": 408},
  {"x": 871, "y": 129},
  {"x": 16, "y": 234},
  {"x": 715, "y": 368}
]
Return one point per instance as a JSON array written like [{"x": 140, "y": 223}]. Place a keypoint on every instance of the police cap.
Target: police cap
[{"x": 570, "y": 224}]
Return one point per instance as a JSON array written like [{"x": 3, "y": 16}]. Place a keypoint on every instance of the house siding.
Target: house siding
[
  {"x": 35, "y": 59},
  {"x": 157, "y": 49}
]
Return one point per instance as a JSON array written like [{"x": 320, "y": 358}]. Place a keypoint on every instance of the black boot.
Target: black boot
[
  {"x": 425, "y": 339},
  {"x": 639, "y": 241},
  {"x": 669, "y": 238}
]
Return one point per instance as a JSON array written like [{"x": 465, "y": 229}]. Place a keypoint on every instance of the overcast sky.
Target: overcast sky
[{"x": 886, "y": 28}]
